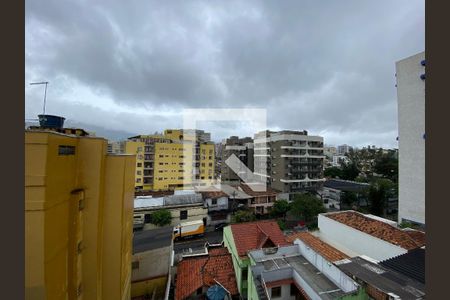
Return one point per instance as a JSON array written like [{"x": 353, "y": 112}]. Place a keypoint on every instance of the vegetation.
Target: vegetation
[
  {"x": 333, "y": 172},
  {"x": 282, "y": 224},
  {"x": 349, "y": 198},
  {"x": 280, "y": 209},
  {"x": 243, "y": 216},
  {"x": 307, "y": 206},
  {"x": 161, "y": 217},
  {"x": 379, "y": 192}
]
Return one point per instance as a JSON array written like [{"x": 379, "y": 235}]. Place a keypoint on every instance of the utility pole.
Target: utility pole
[{"x": 45, "y": 92}]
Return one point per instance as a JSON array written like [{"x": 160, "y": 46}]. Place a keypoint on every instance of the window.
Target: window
[
  {"x": 139, "y": 149},
  {"x": 276, "y": 292},
  {"x": 139, "y": 172},
  {"x": 210, "y": 164},
  {"x": 66, "y": 150},
  {"x": 139, "y": 165},
  {"x": 183, "y": 214},
  {"x": 161, "y": 155},
  {"x": 135, "y": 265},
  {"x": 293, "y": 290},
  {"x": 214, "y": 201},
  {"x": 147, "y": 218},
  {"x": 138, "y": 180}
]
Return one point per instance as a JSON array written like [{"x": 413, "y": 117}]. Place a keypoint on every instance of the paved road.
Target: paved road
[{"x": 213, "y": 237}]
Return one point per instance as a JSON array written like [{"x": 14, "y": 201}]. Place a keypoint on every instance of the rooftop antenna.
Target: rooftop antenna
[{"x": 45, "y": 92}]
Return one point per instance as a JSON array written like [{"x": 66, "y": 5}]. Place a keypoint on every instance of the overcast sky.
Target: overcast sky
[{"x": 132, "y": 66}]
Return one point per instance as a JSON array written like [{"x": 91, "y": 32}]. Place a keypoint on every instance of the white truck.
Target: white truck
[
  {"x": 192, "y": 228},
  {"x": 138, "y": 221}
]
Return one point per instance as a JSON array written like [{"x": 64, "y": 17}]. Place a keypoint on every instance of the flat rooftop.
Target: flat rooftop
[
  {"x": 152, "y": 239},
  {"x": 382, "y": 278},
  {"x": 316, "y": 280}
]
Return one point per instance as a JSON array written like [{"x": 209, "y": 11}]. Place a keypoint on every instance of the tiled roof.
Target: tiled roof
[
  {"x": 196, "y": 272},
  {"x": 381, "y": 230},
  {"x": 253, "y": 235},
  {"x": 213, "y": 194},
  {"x": 268, "y": 192},
  {"x": 328, "y": 252}
]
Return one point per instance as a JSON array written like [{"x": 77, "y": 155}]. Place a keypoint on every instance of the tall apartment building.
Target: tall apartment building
[
  {"x": 176, "y": 159},
  {"x": 78, "y": 217},
  {"x": 291, "y": 161},
  {"x": 243, "y": 149},
  {"x": 411, "y": 126},
  {"x": 343, "y": 149}
]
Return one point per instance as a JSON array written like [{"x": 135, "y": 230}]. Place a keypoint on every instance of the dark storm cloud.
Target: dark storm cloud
[{"x": 322, "y": 66}]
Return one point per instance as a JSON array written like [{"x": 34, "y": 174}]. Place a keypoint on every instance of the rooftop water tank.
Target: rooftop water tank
[{"x": 50, "y": 121}]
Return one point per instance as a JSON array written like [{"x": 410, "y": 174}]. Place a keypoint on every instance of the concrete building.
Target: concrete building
[
  {"x": 260, "y": 202},
  {"x": 184, "y": 206},
  {"x": 176, "y": 159},
  {"x": 243, "y": 149},
  {"x": 333, "y": 190},
  {"x": 298, "y": 271},
  {"x": 78, "y": 217},
  {"x": 343, "y": 149},
  {"x": 151, "y": 263},
  {"x": 289, "y": 161},
  {"x": 357, "y": 234},
  {"x": 219, "y": 206},
  {"x": 411, "y": 138},
  {"x": 240, "y": 238}
]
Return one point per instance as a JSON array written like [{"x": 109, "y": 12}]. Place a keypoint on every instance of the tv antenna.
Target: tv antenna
[{"x": 45, "y": 92}]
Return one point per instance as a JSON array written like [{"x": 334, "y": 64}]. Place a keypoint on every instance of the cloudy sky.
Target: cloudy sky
[{"x": 130, "y": 67}]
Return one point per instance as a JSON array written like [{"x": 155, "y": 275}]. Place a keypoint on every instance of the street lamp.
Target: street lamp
[{"x": 45, "y": 92}]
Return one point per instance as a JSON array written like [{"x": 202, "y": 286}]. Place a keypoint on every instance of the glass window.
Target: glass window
[
  {"x": 276, "y": 292},
  {"x": 183, "y": 214}
]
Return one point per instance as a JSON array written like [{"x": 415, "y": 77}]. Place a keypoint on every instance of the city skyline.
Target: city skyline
[{"x": 134, "y": 69}]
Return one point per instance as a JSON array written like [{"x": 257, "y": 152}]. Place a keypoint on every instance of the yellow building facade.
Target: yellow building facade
[
  {"x": 78, "y": 218},
  {"x": 174, "y": 160}
]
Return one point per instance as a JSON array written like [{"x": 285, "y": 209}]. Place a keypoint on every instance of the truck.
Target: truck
[
  {"x": 138, "y": 221},
  {"x": 188, "y": 229}
]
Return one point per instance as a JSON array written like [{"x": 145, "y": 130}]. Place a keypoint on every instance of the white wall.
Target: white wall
[
  {"x": 357, "y": 241},
  {"x": 327, "y": 268},
  {"x": 222, "y": 203},
  {"x": 411, "y": 127}
]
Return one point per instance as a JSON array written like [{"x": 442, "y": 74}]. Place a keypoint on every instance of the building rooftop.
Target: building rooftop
[
  {"x": 281, "y": 270},
  {"x": 345, "y": 185},
  {"x": 152, "y": 239},
  {"x": 178, "y": 199},
  {"x": 411, "y": 264},
  {"x": 259, "y": 190},
  {"x": 328, "y": 252},
  {"x": 383, "y": 279},
  {"x": 402, "y": 238},
  {"x": 256, "y": 235},
  {"x": 200, "y": 271}
]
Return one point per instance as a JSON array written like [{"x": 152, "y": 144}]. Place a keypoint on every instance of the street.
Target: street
[{"x": 213, "y": 237}]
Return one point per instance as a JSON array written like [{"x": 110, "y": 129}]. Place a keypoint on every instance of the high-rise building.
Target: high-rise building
[
  {"x": 291, "y": 161},
  {"x": 343, "y": 149},
  {"x": 176, "y": 159},
  {"x": 411, "y": 126},
  {"x": 243, "y": 149},
  {"x": 78, "y": 217}
]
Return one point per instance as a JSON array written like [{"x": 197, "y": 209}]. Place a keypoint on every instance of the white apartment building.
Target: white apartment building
[{"x": 411, "y": 127}]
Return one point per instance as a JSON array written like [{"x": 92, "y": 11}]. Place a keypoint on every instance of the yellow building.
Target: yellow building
[
  {"x": 174, "y": 160},
  {"x": 78, "y": 218}
]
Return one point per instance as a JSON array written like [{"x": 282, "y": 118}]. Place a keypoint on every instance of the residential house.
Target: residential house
[
  {"x": 298, "y": 272},
  {"x": 184, "y": 206},
  {"x": 151, "y": 263},
  {"x": 356, "y": 234},
  {"x": 333, "y": 189},
  {"x": 206, "y": 275},
  {"x": 219, "y": 210},
  {"x": 243, "y": 237},
  {"x": 261, "y": 200}
]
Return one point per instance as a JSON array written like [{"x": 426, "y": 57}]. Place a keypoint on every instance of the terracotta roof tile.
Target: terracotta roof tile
[
  {"x": 213, "y": 194},
  {"x": 248, "y": 190},
  {"x": 328, "y": 252},
  {"x": 196, "y": 272},
  {"x": 252, "y": 235},
  {"x": 381, "y": 230}
]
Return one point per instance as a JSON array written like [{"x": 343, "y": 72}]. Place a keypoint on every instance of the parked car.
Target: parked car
[{"x": 220, "y": 226}]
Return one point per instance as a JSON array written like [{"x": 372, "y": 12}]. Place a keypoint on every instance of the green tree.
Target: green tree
[
  {"x": 280, "y": 208},
  {"x": 379, "y": 192},
  {"x": 350, "y": 171},
  {"x": 161, "y": 217},
  {"x": 333, "y": 172},
  {"x": 387, "y": 166},
  {"x": 243, "y": 216},
  {"x": 307, "y": 206},
  {"x": 348, "y": 198}
]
